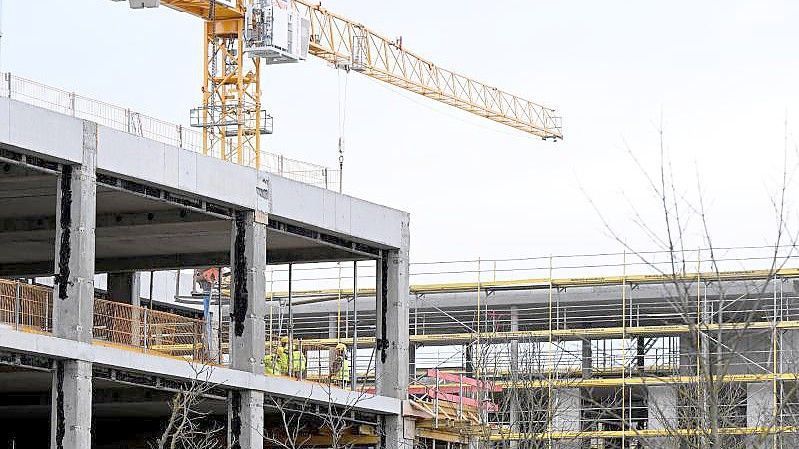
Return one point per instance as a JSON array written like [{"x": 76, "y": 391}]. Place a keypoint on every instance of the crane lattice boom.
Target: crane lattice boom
[
  {"x": 240, "y": 35},
  {"x": 345, "y": 43}
]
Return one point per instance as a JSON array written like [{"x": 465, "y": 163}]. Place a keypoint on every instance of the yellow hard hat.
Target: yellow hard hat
[
  {"x": 284, "y": 339},
  {"x": 341, "y": 347}
]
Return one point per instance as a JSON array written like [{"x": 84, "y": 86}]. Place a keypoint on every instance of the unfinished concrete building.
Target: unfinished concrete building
[{"x": 130, "y": 194}]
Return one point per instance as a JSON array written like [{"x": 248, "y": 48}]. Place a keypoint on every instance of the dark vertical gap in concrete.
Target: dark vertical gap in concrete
[
  {"x": 65, "y": 250},
  {"x": 382, "y": 422},
  {"x": 59, "y": 405},
  {"x": 235, "y": 419},
  {"x": 383, "y": 342},
  {"x": 240, "y": 296}
]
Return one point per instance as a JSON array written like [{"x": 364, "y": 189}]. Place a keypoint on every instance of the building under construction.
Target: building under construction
[{"x": 308, "y": 326}]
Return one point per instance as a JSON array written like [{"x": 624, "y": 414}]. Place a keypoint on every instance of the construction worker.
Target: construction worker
[
  {"x": 283, "y": 357},
  {"x": 340, "y": 368},
  {"x": 206, "y": 278},
  {"x": 272, "y": 360},
  {"x": 298, "y": 362}
]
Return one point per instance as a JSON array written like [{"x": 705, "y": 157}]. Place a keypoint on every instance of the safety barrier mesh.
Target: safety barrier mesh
[{"x": 29, "y": 307}]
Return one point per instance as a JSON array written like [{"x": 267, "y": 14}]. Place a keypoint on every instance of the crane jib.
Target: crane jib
[{"x": 286, "y": 31}]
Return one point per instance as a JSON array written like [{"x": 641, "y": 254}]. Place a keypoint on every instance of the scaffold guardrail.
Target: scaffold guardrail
[{"x": 142, "y": 125}]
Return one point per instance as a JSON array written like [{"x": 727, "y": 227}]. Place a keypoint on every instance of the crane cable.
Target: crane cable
[
  {"x": 342, "y": 121},
  {"x": 211, "y": 102}
]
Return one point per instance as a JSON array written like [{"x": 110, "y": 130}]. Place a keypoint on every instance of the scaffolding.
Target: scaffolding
[{"x": 637, "y": 357}]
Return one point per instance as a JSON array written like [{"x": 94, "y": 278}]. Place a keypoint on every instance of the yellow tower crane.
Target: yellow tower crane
[{"x": 240, "y": 35}]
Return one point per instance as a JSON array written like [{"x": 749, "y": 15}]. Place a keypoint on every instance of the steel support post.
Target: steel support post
[
  {"x": 354, "y": 361},
  {"x": 515, "y": 404}
]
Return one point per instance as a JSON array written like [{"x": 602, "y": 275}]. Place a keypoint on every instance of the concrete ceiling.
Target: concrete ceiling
[{"x": 133, "y": 232}]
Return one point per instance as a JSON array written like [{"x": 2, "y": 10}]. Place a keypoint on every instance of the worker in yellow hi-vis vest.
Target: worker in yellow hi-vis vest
[
  {"x": 276, "y": 362},
  {"x": 298, "y": 363},
  {"x": 340, "y": 368}
]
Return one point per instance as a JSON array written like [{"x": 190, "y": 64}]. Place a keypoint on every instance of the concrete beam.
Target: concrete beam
[
  {"x": 144, "y": 263},
  {"x": 131, "y": 361},
  {"x": 73, "y": 295},
  {"x": 9, "y": 226},
  {"x": 71, "y": 416}
]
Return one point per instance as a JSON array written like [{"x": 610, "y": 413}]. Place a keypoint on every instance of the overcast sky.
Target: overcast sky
[{"x": 722, "y": 75}]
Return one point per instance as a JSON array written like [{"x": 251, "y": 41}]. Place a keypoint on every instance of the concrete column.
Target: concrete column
[
  {"x": 246, "y": 419},
  {"x": 688, "y": 358},
  {"x": 514, "y": 344},
  {"x": 587, "y": 359},
  {"x": 125, "y": 287},
  {"x": 566, "y": 415},
  {"x": 213, "y": 343},
  {"x": 332, "y": 332},
  {"x": 247, "y": 326},
  {"x": 662, "y": 414},
  {"x": 789, "y": 352},
  {"x": 662, "y": 407},
  {"x": 566, "y": 410},
  {"x": 248, "y": 288},
  {"x": 73, "y": 294},
  {"x": 71, "y": 409},
  {"x": 468, "y": 352},
  {"x": 393, "y": 335},
  {"x": 759, "y": 409},
  {"x": 412, "y": 359},
  {"x": 759, "y": 404}
]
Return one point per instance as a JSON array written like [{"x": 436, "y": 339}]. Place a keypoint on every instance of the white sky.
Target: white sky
[{"x": 724, "y": 75}]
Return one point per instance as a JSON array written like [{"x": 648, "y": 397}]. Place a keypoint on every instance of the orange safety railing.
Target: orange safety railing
[
  {"x": 151, "y": 330},
  {"x": 29, "y": 307},
  {"x": 26, "y": 306}
]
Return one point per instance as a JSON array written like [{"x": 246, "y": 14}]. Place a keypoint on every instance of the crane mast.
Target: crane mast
[{"x": 241, "y": 35}]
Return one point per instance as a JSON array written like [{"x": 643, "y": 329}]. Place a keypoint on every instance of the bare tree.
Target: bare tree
[
  {"x": 188, "y": 425},
  {"x": 731, "y": 327},
  {"x": 335, "y": 424}
]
